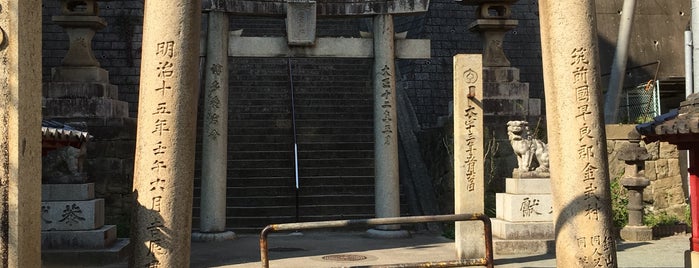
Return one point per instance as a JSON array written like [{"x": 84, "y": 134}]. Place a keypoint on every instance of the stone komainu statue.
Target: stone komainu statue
[{"x": 528, "y": 150}]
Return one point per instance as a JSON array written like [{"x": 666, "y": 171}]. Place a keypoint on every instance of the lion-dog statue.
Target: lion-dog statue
[{"x": 527, "y": 149}]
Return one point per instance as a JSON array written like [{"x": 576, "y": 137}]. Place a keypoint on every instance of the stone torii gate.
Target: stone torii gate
[
  {"x": 167, "y": 109},
  {"x": 301, "y": 41}
]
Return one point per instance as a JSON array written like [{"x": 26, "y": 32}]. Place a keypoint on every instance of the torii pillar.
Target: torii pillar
[
  {"x": 577, "y": 142},
  {"x": 212, "y": 220},
  {"x": 20, "y": 135},
  {"x": 165, "y": 138},
  {"x": 387, "y": 184}
]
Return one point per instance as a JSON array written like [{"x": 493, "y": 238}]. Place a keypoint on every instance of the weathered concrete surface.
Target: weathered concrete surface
[
  {"x": 20, "y": 138},
  {"x": 164, "y": 165},
  {"x": 579, "y": 168}
]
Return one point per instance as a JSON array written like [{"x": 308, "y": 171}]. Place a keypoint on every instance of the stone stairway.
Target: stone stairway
[{"x": 335, "y": 143}]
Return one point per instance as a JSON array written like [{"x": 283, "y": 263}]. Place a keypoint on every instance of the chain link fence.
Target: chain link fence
[{"x": 640, "y": 104}]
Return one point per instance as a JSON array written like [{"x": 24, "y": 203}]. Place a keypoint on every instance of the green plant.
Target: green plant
[
  {"x": 653, "y": 219},
  {"x": 688, "y": 215},
  {"x": 620, "y": 200}
]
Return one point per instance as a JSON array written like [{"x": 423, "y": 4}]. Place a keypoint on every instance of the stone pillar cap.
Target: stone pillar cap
[
  {"x": 635, "y": 182},
  {"x": 93, "y": 22}
]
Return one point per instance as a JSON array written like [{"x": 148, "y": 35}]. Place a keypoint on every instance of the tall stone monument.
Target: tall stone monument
[
  {"x": 164, "y": 166},
  {"x": 577, "y": 141},
  {"x": 469, "y": 183},
  {"x": 20, "y": 105}
]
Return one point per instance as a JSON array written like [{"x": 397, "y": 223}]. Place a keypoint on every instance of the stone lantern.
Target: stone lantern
[
  {"x": 493, "y": 20},
  {"x": 634, "y": 156},
  {"x": 80, "y": 20}
]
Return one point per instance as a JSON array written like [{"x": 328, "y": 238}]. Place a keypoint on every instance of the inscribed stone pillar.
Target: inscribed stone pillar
[
  {"x": 385, "y": 123},
  {"x": 20, "y": 138},
  {"x": 469, "y": 186},
  {"x": 215, "y": 133},
  {"x": 577, "y": 141},
  {"x": 164, "y": 161}
]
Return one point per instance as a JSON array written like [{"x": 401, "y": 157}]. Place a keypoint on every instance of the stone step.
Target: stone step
[
  {"x": 290, "y": 181},
  {"x": 302, "y": 163},
  {"x": 522, "y": 230},
  {"x": 335, "y": 138},
  {"x": 340, "y": 128},
  {"x": 301, "y": 94},
  {"x": 303, "y": 146},
  {"x": 311, "y": 172},
  {"x": 249, "y": 191},
  {"x": 88, "y": 239},
  {"x": 255, "y": 224},
  {"x": 304, "y": 199},
  {"x": 118, "y": 252},
  {"x": 286, "y": 123},
  {"x": 290, "y": 210},
  {"x": 302, "y": 154},
  {"x": 337, "y": 103},
  {"x": 523, "y": 247}
]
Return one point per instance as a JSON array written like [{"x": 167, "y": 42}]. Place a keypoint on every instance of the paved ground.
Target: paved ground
[{"x": 308, "y": 250}]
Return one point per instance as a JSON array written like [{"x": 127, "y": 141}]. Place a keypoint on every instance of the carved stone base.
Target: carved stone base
[
  {"x": 376, "y": 233},
  {"x": 213, "y": 237},
  {"x": 637, "y": 233}
]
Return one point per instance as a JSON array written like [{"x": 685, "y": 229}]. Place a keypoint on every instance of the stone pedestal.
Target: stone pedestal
[
  {"x": 524, "y": 223},
  {"x": 71, "y": 222}
]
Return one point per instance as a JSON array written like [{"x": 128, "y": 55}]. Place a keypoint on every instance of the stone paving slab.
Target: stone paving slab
[{"x": 308, "y": 251}]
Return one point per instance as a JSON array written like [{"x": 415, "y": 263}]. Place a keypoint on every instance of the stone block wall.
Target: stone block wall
[{"x": 668, "y": 189}]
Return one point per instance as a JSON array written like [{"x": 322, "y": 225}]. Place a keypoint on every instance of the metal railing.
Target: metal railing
[{"x": 487, "y": 261}]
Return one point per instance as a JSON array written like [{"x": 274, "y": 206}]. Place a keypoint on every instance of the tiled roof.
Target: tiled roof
[
  {"x": 675, "y": 126},
  {"x": 57, "y": 131}
]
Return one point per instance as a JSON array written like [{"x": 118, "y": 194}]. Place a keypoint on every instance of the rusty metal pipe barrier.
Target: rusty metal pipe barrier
[{"x": 487, "y": 261}]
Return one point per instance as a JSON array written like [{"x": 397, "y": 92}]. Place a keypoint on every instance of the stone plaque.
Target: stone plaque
[
  {"x": 301, "y": 22},
  {"x": 72, "y": 215}
]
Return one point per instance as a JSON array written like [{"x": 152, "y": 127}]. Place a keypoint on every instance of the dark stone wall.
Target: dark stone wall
[{"x": 429, "y": 82}]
